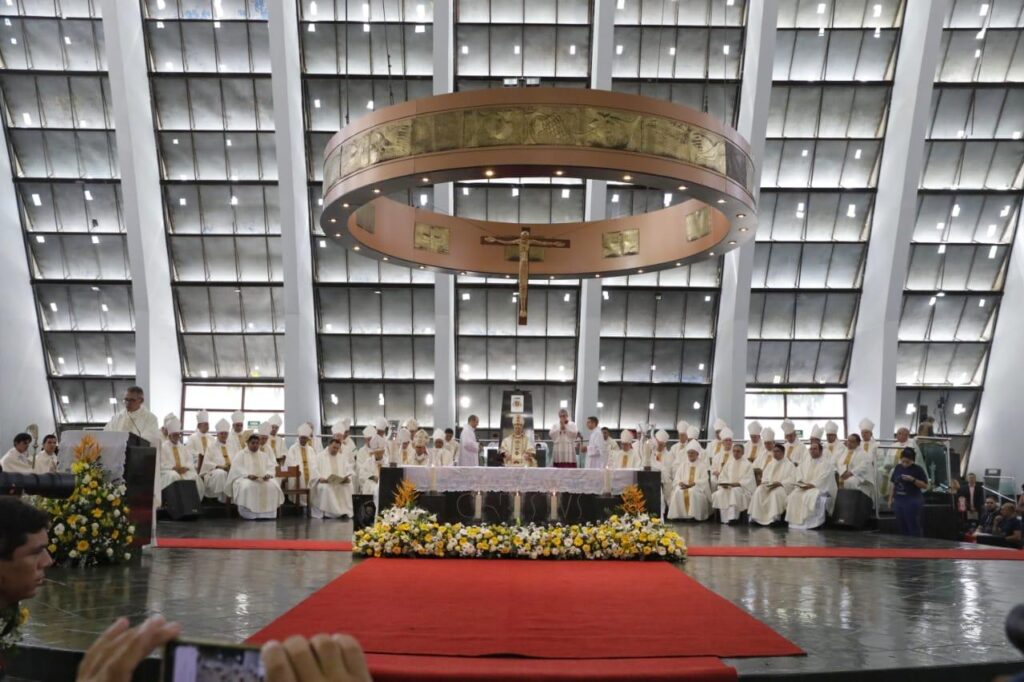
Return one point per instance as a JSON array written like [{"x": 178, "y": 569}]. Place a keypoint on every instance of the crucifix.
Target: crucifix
[{"x": 524, "y": 241}]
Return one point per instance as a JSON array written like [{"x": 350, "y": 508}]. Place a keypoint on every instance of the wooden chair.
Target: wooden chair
[{"x": 293, "y": 473}]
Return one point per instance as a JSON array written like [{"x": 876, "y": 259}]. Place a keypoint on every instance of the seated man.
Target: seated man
[
  {"x": 217, "y": 463},
  {"x": 777, "y": 480},
  {"x": 175, "y": 461},
  {"x": 659, "y": 457},
  {"x": 734, "y": 486},
  {"x": 691, "y": 494},
  {"x": 17, "y": 460},
  {"x": 626, "y": 457},
  {"x": 332, "y": 494},
  {"x": 46, "y": 459},
  {"x": 1007, "y": 526},
  {"x": 303, "y": 455},
  {"x": 199, "y": 442},
  {"x": 854, "y": 468},
  {"x": 517, "y": 449},
  {"x": 988, "y": 515},
  {"x": 722, "y": 453},
  {"x": 369, "y": 461},
  {"x": 252, "y": 484},
  {"x": 440, "y": 456},
  {"x": 815, "y": 493}
]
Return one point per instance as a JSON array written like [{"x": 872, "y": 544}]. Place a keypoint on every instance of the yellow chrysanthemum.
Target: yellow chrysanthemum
[{"x": 82, "y": 545}]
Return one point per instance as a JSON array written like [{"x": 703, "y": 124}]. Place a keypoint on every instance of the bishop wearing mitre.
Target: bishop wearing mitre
[
  {"x": 401, "y": 450},
  {"x": 795, "y": 450},
  {"x": 722, "y": 453},
  {"x": 217, "y": 463},
  {"x": 304, "y": 456},
  {"x": 200, "y": 441},
  {"x": 239, "y": 436},
  {"x": 175, "y": 462},
  {"x": 439, "y": 455},
  {"x": 332, "y": 495},
  {"x": 778, "y": 478},
  {"x": 369, "y": 460},
  {"x": 626, "y": 456},
  {"x": 517, "y": 448},
  {"x": 691, "y": 488},
  {"x": 734, "y": 486},
  {"x": 420, "y": 451},
  {"x": 252, "y": 484},
  {"x": 815, "y": 493}
]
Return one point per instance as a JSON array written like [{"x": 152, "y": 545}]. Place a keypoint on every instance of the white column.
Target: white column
[
  {"x": 872, "y": 384},
  {"x": 729, "y": 377},
  {"x": 1001, "y": 409},
  {"x": 302, "y": 385},
  {"x": 157, "y": 364},
  {"x": 588, "y": 350},
  {"x": 26, "y": 399}
]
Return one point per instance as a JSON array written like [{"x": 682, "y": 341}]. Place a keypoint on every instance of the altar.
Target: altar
[{"x": 526, "y": 494}]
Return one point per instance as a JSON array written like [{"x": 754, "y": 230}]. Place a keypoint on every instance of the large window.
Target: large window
[
  {"x": 59, "y": 126},
  {"x": 257, "y": 402},
  {"x": 804, "y": 408}
]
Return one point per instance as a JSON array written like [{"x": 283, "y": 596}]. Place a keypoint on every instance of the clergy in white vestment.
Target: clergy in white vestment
[
  {"x": 734, "y": 486},
  {"x": 420, "y": 449},
  {"x": 17, "y": 460},
  {"x": 239, "y": 436},
  {"x": 304, "y": 456},
  {"x": 217, "y": 463},
  {"x": 795, "y": 450},
  {"x": 451, "y": 445},
  {"x": 469, "y": 449},
  {"x": 867, "y": 438},
  {"x": 332, "y": 495},
  {"x": 517, "y": 448},
  {"x": 662, "y": 460},
  {"x": 378, "y": 442},
  {"x": 754, "y": 447},
  {"x": 563, "y": 441},
  {"x": 400, "y": 450},
  {"x": 440, "y": 456},
  {"x": 832, "y": 447},
  {"x": 815, "y": 493},
  {"x": 596, "y": 447},
  {"x": 816, "y": 434},
  {"x": 275, "y": 443},
  {"x": 342, "y": 428},
  {"x": 692, "y": 434},
  {"x": 691, "y": 487},
  {"x": 888, "y": 458},
  {"x": 765, "y": 453},
  {"x": 201, "y": 439},
  {"x": 46, "y": 459},
  {"x": 252, "y": 484},
  {"x": 163, "y": 429},
  {"x": 135, "y": 418},
  {"x": 264, "y": 434},
  {"x": 778, "y": 478},
  {"x": 722, "y": 453},
  {"x": 626, "y": 457},
  {"x": 678, "y": 450},
  {"x": 855, "y": 469},
  {"x": 175, "y": 462},
  {"x": 369, "y": 460}
]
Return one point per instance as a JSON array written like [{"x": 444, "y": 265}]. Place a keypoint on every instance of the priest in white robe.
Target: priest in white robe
[
  {"x": 597, "y": 447},
  {"x": 200, "y": 440},
  {"x": 135, "y": 418},
  {"x": 451, "y": 445},
  {"x": 662, "y": 460},
  {"x": 239, "y": 436},
  {"x": 275, "y": 443},
  {"x": 778, "y": 479},
  {"x": 469, "y": 449},
  {"x": 217, "y": 463},
  {"x": 517, "y": 448},
  {"x": 754, "y": 448},
  {"x": 175, "y": 462},
  {"x": 764, "y": 454},
  {"x": 264, "y": 433},
  {"x": 722, "y": 453},
  {"x": 678, "y": 449},
  {"x": 332, "y": 494},
  {"x": 400, "y": 450},
  {"x": 691, "y": 489},
  {"x": 716, "y": 447},
  {"x": 440, "y": 456},
  {"x": 867, "y": 438},
  {"x": 734, "y": 486},
  {"x": 46, "y": 459},
  {"x": 627, "y": 456},
  {"x": 855, "y": 469},
  {"x": 170, "y": 416},
  {"x": 832, "y": 447},
  {"x": 252, "y": 484},
  {"x": 795, "y": 450},
  {"x": 342, "y": 428},
  {"x": 815, "y": 493},
  {"x": 816, "y": 437},
  {"x": 17, "y": 460},
  {"x": 563, "y": 441},
  {"x": 304, "y": 456},
  {"x": 369, "y": 461},
  {"x": 420, "y": 449}
]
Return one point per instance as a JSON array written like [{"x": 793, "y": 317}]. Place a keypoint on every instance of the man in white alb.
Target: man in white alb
[
  {"x": 563, "y": 441},
  {"x": 217, "y": 463},
  {"x": 778, "y": 478},
  {"x": 597, "y": 446},
  {"x": 401, "y": 451},
  {"x": 175, "y": 462},
  {"x": 469, "y": 449},
  {"x": 855, "y": 468},
  {"x": 369, "y": 461},
  {"x": 691, "y": 487},
  {"x": 795, "y": 450},
  {"x": 626, "y": 457},
  {"x": 815, "y": 493},
  {"x": 517, "y": 448},
  {"x": 332, "y": 495},
  {"x": 239, "y": 437},
  {"x": 450, "y": 444},
  {"x": 754, "y": 447},
  {"x": 135, "y": 418},
  {"x": 678, "y": 450},
  {"x": 17, "y": 460},
  {"x": 275, "y": 443},
  {"x": 440, "y": 456},
  {"x": 304, "y": 456},
  {"x": 46, "y": 459},
  {"x": 200, "y": 440},
  {"x": 734, "y": 486},
  {"x": 723, "y": 452},
  {"x": 252, "y": 484},
  {"x": 765, "y": 453},
  {"x": 832, "y": 447},
  {"x": 420, "y": 452}
]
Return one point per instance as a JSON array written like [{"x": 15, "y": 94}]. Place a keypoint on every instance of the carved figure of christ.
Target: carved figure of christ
[{"x": 524, "y": 241}]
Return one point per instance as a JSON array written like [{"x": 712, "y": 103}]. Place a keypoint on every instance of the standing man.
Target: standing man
[
  {"x": 597, "y": 446},
  {"x": 469, "y": 449},
  {"x": 451, "y": 445},
  {"x": 972, "y": 492},
  {"x": 135, "y": 418},
  {"x": 563, "y": 441},
  {"x": 909, "y": 482},
  {"x": 304, "y": 456},
  {"x": 332, "y": 494},
  {"x": 46, "y": 459},
  {"x": 17, "y": 459}
]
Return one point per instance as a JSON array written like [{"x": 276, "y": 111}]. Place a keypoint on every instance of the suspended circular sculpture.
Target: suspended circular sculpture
[{"x": 539, "y": 132}]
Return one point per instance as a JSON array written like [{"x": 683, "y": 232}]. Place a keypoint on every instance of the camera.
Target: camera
[{"x": 45, "y": 485}]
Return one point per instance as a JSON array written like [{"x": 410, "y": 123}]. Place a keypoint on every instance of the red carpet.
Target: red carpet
[
  {"x": 392, "y": 668},
  {"x": 535, "y": 609},
  {"x": 858, "y": 553},
  {"x": 218, "y": 543}
]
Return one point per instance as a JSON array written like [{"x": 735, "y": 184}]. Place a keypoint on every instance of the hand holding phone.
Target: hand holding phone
[{"x": 324, "y": 658}]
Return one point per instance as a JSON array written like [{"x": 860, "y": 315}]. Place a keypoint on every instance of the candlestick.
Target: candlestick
[
  {"x": 607, "y": 481},
  {"x": 478, "y": 507},
  {"x": 433, "y": 478},
  {"x": 553, "y": 512},
  {"x": 517, "y": 507}
]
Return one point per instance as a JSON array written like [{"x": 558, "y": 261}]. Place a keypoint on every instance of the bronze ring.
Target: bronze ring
[{"x": 536, "y": 132}]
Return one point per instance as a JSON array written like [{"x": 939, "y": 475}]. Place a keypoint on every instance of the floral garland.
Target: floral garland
[
  {"x": 11, "y": 620},
  {"x": 413, "y": 532},
  {"x": 92, "y": 526}
]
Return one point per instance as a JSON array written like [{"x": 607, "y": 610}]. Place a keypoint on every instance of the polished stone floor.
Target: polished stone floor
[{"x": 848, "y": 614}]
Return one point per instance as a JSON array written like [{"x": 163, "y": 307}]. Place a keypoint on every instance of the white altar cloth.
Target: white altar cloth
[{"x": 520, "y": 479}]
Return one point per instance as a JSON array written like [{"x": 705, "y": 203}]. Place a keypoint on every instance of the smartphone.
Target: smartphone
[{"x": 195, "y": 661}]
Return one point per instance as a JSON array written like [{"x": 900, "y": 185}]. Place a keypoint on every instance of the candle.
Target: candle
[
  {"x": 478, "y": 507},
  {"x": 433, "y": 478},
  {"x": 517, "y": 507},
  {"x": 607, "y": 481},
  {"x": 553, "y": 515}
]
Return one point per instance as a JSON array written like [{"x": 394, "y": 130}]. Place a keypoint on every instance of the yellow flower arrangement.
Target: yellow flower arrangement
[
  {"x": 406, "y": 494},
  {"x": 633, "y": 501}
]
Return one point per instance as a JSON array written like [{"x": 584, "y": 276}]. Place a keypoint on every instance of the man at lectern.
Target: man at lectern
[
  {"x": 517, "y": 449},
  {"x": 135, "y": 418}
]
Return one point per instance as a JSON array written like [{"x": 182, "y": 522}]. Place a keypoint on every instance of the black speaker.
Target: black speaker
[
  {"x": 363, "y": 511},
  {"x": 853, "y": 509},
  {"x": 181, "y": 501}
]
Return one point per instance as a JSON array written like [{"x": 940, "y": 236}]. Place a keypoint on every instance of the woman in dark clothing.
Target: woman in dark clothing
[{"x": 906, "y": 498}]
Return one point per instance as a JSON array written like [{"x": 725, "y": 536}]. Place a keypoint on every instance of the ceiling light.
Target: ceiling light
[
  {"x": 376, "y": 190},
  {"x": 516, "y": 49},
  {"x": 681, "y": 188},
  {"x": 877, "y": 11},
  {"x": 956, "y": 210},
  {"x": 423, "y": 200},
  {"x": 741, "y": 215},
  {"x": 366, "y": 28},
  {"x": 732, "y": 242},
  {"x": 857, "y": 153},
  {"x": 95, "y": 239},
  {"x": 567, "y": 298},
  {"x": 777, "y": 379},
  {"x": 420, "y": 28},
  {"x": 323, "y": 243},
  {"x": 959, "y": 408},
  {"x": 565, "y": 193},
  {"x": 980, "y": 35},
  {"x": 960, "y": 133},
  {"x": 316, "y": 104},
  {"x": 489, "y": 173},
  {"x": 53, "y": 306},
  {"x": 942, "y": 248},
  {"x": 36, "y": 201},
  {"x": 429, "y": 399},
  {"x": 380, "y": 398},
  {"x": 605, "y": 295},
  {"x": 88, "y": 195},
  {"x": 385, "y": 259},
  {"x": 1016, "y": 135},
  {"x": 64, "y": 399},
  {"x": 941, "y": 294},
  {"x": 515, "y": 191},
  {"x": 654, "y": 367},
  {"x": 983, "y": 10},
  {"x": 40, "y": 239},
  {"x": 650, "y": 406},
  {"x": 627, "y": 178},
  {"x": 465, "y": 296},
  {"x": 369, "y": 104},
  {"x": 174, "y": 140},
  {"x": 1005, "y": 212},
  {"x": 465, "y": 191},
  {"x": 465, "y": 49},
  {"x": 464, "y": 401},
  {"x": 911, "y": 408},
  {"x": 60, "y": 360},
  {"x": 991, "y": 230},
  {"x": 104, "y": 308},
  {"x": 821, "y": 8},
  {"x": 615, "y": 198},
  {"x": 572, "y": 49},
  {"x": 618, "y": 49},
  {"x": 672, "y": 51},
  {"x": 931, "y": 301},
  {"x": 821, "y": 32},
  {"x": 707, "y": 299},
  {"x": 725, "y": 49},
  {"x": 667, "y": 199},
  {"x": 851, "y": 211},
  {"x": 355, "y": 248},
  {"x": 940, "y": 226},
  {"x": 977, "y": 54},
  {"x": 559, "y": 173},
  {"x": 216, "y": 24},
  {"x": 159, "y": 24},
  {"x": 981, "y": 303},
  {"x": 721, "y": 201},
  {"x": 992, "y": 252},
  {"x": 234, "y": 200},
  {"x": 803, "y": 152},
  {"x": 878, "y": 32}
]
